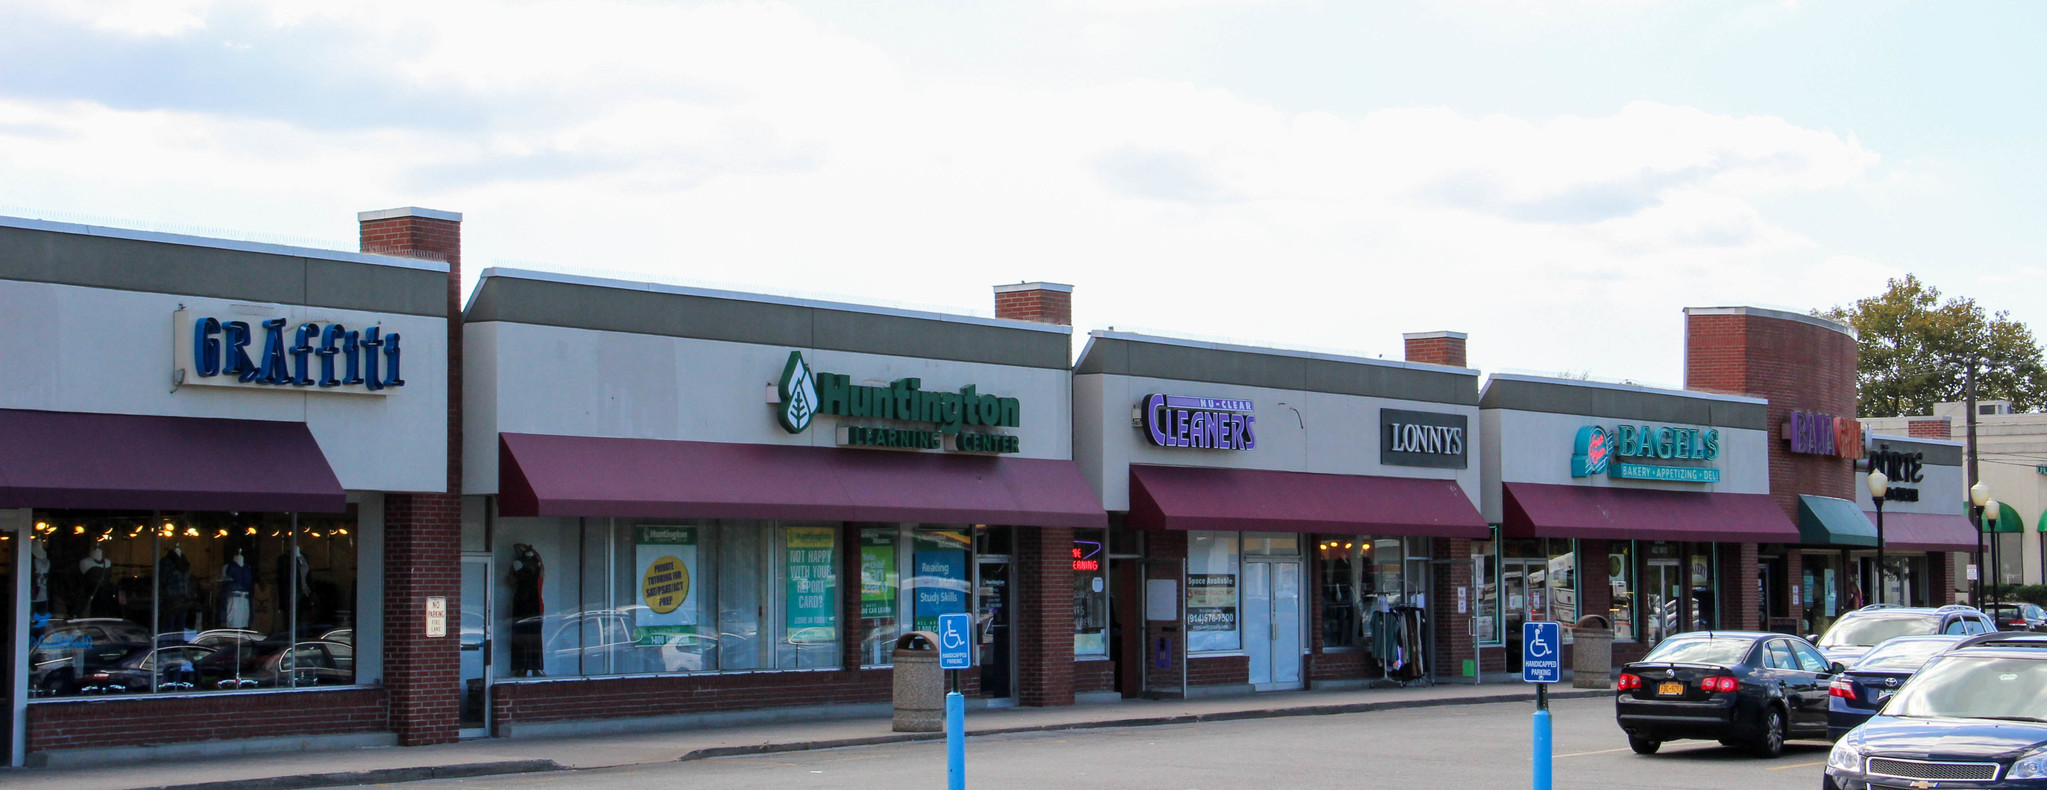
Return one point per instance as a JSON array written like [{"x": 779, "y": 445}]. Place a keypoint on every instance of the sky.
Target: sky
[{"x": 1558, "y": 179}]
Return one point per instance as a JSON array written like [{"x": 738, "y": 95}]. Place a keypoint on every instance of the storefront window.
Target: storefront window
[
  {"x": 1090, "y": 593},
  {"x": 1819, "y": 591},
  {"x": 129, "y": 603},
  {"x": 614, "y": 596},
  {"x": 1345, "y": 589},
  {"x": 1661, "y": 590},
  {"x": 880, "y": 594},
  {"x": 1620, "y": 564},
  {"x": 1212, "y": 592},
  {"x": 1485, "y": 583},
  {"x": 1705, "y": 591},
  {"x": 1541, "y": 581}
]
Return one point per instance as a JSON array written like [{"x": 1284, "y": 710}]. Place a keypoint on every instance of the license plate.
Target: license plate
[
  {"x": 1670, "y": 689},
  {"x": 1884, "y": 694}
]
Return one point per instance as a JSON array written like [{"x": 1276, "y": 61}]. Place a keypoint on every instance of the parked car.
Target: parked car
[
  {"x": 2018, "y": 617},
  {"x": 1860, "y": 692},
  {"x": 1858, "y": 631},
  {"x": 277, "y": 664},
  {"x": 1974, "y": 716},
  {"x": 222, "y": 637},
  {"x": 173, "y": 669},
  {"x": 1739, "y": 688}
]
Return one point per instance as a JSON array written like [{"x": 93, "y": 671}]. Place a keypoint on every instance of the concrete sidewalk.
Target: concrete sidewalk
[{"x": 485, "y": 757}]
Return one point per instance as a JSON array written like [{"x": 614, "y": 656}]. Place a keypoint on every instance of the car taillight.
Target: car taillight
[
  {"x": 1720, "y": 684},
  {"x": 1841, "y": 688},
  {"x": 1630, "y": 682}
]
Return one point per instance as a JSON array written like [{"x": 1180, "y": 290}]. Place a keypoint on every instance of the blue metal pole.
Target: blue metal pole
[
  {"x": 1542, "y": 750},
  {"x": 956, "y": 741}
]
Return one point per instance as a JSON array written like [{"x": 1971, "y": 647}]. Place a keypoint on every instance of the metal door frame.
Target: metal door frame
[
  {"x": 489, "y": 647},
  {"x": 1299, "y": 654},
  {"x": 1008, "y": 562}
]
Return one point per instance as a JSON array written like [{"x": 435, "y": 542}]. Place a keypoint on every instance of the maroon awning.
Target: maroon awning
[
  {"x": 541, "y": 475},
  {"x": 56, "y": 459},
  {"x": 1926, "y": 531},
  {"x": 1539, "y": 510},
  {"x": 1185, "y": 498}
]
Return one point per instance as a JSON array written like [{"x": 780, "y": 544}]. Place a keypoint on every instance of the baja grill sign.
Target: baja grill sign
[{"x": 1812, "y": 433}]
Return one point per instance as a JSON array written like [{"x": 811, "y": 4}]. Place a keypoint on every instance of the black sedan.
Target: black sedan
[
  {"x": 1858, "y": 693},
  {"x": 2018, "y": 617},
  {"x": 1739, "y": 688},
  {"x": 1974, "y": 716}
]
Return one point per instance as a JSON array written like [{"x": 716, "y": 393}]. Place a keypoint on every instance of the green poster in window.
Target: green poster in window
[
  {"x": 665, "y": 561},
  {"x": 811, "y": 601},
  {"x": 878, "y": 577}
]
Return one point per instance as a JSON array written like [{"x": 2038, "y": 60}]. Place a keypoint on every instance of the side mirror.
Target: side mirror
[
  {"x": 1836, "y": 668},
  {"x": 1813, "y": 638}
]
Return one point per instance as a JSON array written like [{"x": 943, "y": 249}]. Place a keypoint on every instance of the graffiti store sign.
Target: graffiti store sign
[{"x": 275, "y": 353}]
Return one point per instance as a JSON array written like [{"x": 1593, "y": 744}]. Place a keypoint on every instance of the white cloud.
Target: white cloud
[{"x": 745, "y": 142}]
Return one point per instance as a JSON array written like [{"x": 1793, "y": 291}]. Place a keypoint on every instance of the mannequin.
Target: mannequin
[
  {"x": 293, "y": 574},
  {"x": 174, "y": 586},
  {"x": 93, "y": 583},
  {"x": 237, "y": 580},
  {"x": 528, "y": 574},
  {"x": 39, "y": 578}
]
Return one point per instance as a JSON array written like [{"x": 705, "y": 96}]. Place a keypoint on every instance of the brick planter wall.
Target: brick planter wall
[
  {"x": 626, "y": 697},
  {"x": 147, "y": 721}
]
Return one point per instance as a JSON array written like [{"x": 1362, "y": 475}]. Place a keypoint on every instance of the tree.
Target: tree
[{"x": 1913, "y": 350}]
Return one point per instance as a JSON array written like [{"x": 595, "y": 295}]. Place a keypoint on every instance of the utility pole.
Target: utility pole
[{"x": 1969, "y": 420}]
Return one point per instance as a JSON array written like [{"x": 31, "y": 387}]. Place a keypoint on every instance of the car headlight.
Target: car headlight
[
  {"x": 1846, "y": 757},
  {"x": 2031, "y": 766}
]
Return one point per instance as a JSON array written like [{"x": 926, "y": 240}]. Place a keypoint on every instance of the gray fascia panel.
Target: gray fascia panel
[
  {"x": 551, "y": 302},
  {"x": 128, "y": 264},
  {"x": 1278, "y": 369},
  {"x": 1937, "y": 453},
  {"x": 1596, "y": 399}
]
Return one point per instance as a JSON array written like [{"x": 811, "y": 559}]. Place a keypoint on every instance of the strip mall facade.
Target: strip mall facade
[{"x": 266, "y": 498}]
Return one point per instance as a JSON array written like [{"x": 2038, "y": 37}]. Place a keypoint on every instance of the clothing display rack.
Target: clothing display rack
[{"x": 1400, "y": 642}]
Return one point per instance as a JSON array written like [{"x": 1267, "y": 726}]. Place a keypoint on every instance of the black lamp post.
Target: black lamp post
[
  {"x": 1990, "y": 512},
  {"x": 1979, "y": 495},
  {"x": 1879, "y": 484}
]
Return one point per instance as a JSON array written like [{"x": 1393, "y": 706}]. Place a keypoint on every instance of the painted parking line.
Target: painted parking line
[
  {"x": 1796, "y": 765},
  {"x": 1602, "y": 751}
]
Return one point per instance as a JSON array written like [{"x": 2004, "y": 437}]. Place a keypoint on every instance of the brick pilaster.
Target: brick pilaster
[
  {"x": 1044, "y": 616},
  {"x": 1940, "y": 577},
  {"x": 1043, "y": 303},
  {"x": 423, "y": 531},
  {"x": 1435, "y": 348},
  {"x": 1453, "y": 630},
  {"x": 1739, "y": 599}
]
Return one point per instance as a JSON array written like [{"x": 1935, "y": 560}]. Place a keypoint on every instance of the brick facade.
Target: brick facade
[
  {"x": 1941, "y": 428},
  {"x": 1436, "y": 348},
  {"x": 143, "y": 721},
  {"x": 1044, "y": 616},
  {"x": 1043, "y": 303},
  {"x": 669, "y": 695},
  {"x": 1799, "y": 366},
  {"x": 1094, "y": 676},
  {"x": 1452, "y": 629},
  {"x": 423, "y": 532}
]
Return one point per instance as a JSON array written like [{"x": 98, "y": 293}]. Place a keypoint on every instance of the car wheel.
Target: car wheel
[
  {"x": 1643, "y": 745},
  {"x": 1771, "y": 744}
]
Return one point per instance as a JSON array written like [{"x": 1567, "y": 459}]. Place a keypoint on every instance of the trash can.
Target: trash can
[
  {"x": 1592, "y": 653},
  {"x": 920, "y": 684}
]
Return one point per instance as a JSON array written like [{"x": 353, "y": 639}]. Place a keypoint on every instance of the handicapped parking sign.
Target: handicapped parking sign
[
  {"x": 955, "y": 641},
  {"x": 1541, "y": 653}
]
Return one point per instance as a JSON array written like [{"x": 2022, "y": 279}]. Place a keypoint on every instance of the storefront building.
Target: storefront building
[
  {"x": 687, "y": 505},
  {"x": 1278, "y": 518},
  {"x": 209, "y": 446},
  {"x": 1637, "y": 505}
]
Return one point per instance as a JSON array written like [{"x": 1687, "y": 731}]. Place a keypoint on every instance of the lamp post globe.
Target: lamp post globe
[{"x": 1979, "y": 494}]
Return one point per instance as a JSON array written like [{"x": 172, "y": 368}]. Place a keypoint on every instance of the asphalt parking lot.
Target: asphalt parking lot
[{"x": 1479, "y": 746}]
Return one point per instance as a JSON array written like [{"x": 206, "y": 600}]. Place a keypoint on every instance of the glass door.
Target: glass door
[
  {"x": 994, "y": 615},
  {"x": 10, "y": 652},
  {"x": 476, "y": 646}
]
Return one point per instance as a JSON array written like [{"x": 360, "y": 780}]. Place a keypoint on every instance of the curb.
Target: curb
[
  {"x": 376, "y": 776},
  {"x": 1148, "y": 721}
]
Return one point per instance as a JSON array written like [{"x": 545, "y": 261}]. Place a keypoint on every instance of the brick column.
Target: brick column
[
  {"x": 1435, "y": 348},
  {"x": 1043, "y": 303},
  {"x": 423, "y": 531},
  {"x": 1940, "y": 578},
  {"x": 1453, "y": 642},
  {"x": 1044, "y": 615},
  {"x": 1739, "y": 573}
]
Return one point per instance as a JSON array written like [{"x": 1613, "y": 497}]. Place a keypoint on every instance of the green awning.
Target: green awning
[
  {"x": 2043, "y": 522},
  {"x": 1826, "y": 521},
  {"x": 2007, "y": 520}
]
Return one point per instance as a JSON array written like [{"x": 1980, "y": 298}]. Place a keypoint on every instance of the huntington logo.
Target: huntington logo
[{"x": 799, "y": 395}]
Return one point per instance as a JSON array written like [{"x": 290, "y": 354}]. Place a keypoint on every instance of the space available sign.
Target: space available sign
[
  {"x": 1200, "y": 423},
  {"x": 1599, "y": 450},
  {"x": 802, "y": 394},
  {"x": 1423, "y": 438},
  {"x": 277, "y": 353}
]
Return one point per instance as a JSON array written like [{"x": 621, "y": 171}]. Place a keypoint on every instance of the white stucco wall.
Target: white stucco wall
[
  {"x": 526, "y": 378},
  {"x": 78, "y": 349}
]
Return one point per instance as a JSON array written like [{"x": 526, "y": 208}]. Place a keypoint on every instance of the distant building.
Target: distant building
[{"x": 2012, "y": 459}]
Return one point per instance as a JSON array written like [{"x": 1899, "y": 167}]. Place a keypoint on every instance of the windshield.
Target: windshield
[
  {"x": 1902, "y": 655},
  {"x": 1864, "y": 631},
  {"x": 1976, "y": 687},
  {"x": 1707, "y": 650}
]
